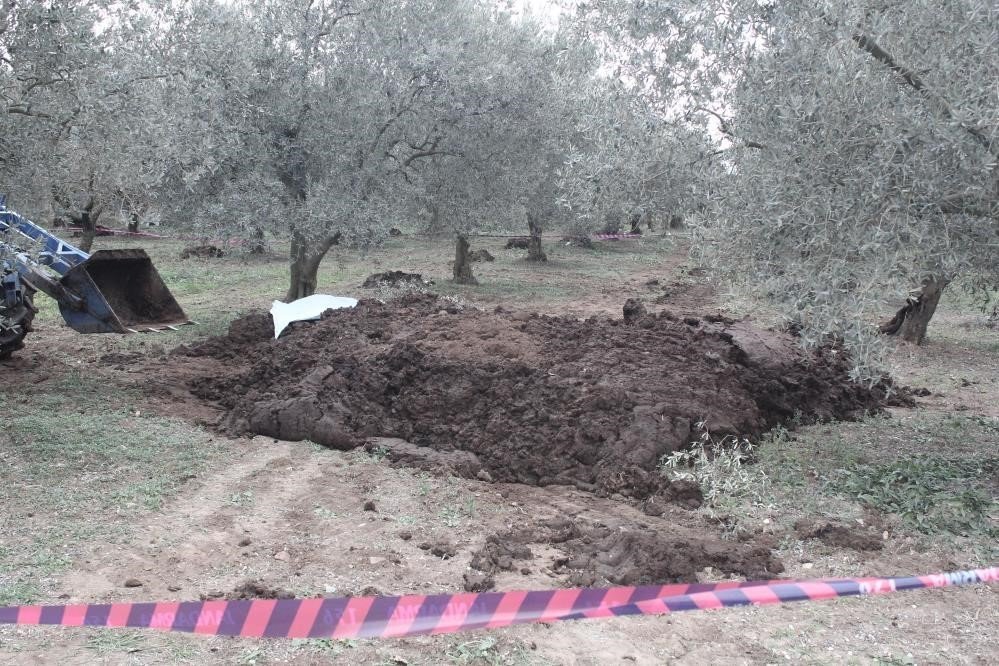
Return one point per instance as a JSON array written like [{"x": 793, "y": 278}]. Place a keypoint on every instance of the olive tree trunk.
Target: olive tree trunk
[
  {"x": 636, "y": 224},
  {"x": 534, "y": 250},
  {"x": 257, "y": 243},
  {"x": 87, "y": 219},
  {"x": 911, "y": 321},
  {"x": 463, "y": 262},
  {"x": 306, "y": 256}
]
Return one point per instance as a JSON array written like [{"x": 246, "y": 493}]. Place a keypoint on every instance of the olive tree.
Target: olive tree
[
  {"x": 335, "y": 117},
  {"x": 858, "y": 149},
  {"x": 868, "y": 160},
  {"x": 510, "y": 151},
  {"x": 73, "y": 85}
]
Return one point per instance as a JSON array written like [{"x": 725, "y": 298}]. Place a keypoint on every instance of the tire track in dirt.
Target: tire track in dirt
[{"x": 197, "y": 535}]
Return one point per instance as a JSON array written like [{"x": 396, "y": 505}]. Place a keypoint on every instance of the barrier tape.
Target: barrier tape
[{"x": 385, "y": 617}]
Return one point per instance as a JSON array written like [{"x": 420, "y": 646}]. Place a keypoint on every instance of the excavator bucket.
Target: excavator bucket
[{"x": 122, "y": 293}]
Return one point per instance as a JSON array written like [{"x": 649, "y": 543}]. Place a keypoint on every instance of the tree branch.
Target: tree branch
[
  {"x": 727, "y": 131},
  {"x": 25, "y": 110},
  {"x": 916, "y": 82}
]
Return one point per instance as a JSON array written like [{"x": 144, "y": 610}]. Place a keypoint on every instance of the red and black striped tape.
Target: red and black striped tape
[{"x": 384, "y": 617}]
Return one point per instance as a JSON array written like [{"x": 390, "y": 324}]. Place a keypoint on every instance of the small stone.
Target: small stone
[
  {"x": 376, "y": 560},
  {"x": 282, "y": 555},
  {"x": 245, "y": 542},
  {"x": 133, "y": 582},
  {"x": 173, "y": 588},
  {"x": 369, "y": 506},
  {"x": 525, "y": 572},
  {"x": 405, "y": 536},
  {"x": 808, "y": 565},
  {"x": 483, "y": 475}
]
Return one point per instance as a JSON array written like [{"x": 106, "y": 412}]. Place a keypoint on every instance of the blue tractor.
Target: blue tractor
[{"x": 109, "y": 291}]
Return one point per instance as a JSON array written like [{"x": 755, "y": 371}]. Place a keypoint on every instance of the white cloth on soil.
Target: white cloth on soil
[{"x": 306, "y": 309}]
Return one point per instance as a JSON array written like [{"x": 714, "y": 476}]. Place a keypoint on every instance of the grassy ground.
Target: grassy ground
[{"x": 97, "y": 487}]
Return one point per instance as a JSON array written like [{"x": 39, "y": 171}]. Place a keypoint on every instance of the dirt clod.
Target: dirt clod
[
  {"x": 133, "y": 582},
  {"x": 243, "y": 543},
  {"x": 481, "y": 255},
  {"x": 476, "y": 581},
  {"x": 539, "y": 400},
  {"x": 839, "y": 535},
  {"x": 406, "y": 535},
  {"x": 370, "y": 506},
  {"x": 257, "y": 590},
  {"x": 687, "y": 493},
  {"x": 395, "y": 279},
  {"x": 598, "y": 554},
  {"x": 202, "y": 252},
  {"x": 634, "y": 310}
]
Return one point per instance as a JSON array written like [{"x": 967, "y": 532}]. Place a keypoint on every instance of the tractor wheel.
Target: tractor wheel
[{"x": 15, "y": 323}]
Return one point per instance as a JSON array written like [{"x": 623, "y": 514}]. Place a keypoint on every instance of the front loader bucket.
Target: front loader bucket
[{"x": 122, "y": 293}]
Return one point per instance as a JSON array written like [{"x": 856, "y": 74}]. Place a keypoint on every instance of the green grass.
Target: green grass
[
  {"x": 931, "y": 474},
  {"x": 114, "y": 641},
  {"x": 932, "y": 495},
  {"x": 73, "y": 453}
]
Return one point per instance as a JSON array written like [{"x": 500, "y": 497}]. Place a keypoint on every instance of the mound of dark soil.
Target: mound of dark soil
[
  {"x": 481, "y": 255},
  {"x": 596, "y": 554},
  {"x": 202, "y": 252},
  {"x": 839, "y": 535},
  {"x": 531, "y": 399},
  {"x": 395, "y": 279}
]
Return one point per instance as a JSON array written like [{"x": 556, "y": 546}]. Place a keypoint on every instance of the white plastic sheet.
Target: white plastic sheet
[{"x": 306, "y": 309}]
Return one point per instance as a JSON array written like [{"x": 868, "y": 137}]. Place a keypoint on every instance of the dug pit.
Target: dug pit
[{"x": 511, "y": 397}]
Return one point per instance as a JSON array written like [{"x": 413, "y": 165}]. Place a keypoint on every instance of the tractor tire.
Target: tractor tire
[{"x": 15, "y": 324}]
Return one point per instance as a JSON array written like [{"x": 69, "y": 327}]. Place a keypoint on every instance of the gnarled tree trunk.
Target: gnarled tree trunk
[
  {"x": 463, "y": 262},
  {"x": 87, "y": 220},
  {"x": 257, "y": 244},
  {"x": 636, "y": 224},
  {"x": 534, "y": 250},
  {"x": 911, "y": 321},
  {"x": 306, "y": 256}
]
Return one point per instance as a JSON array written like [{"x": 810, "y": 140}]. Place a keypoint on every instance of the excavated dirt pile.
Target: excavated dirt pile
[
  {"x": 521, "y": 398},
  {"x": 597, "y": 554}
]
